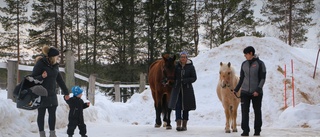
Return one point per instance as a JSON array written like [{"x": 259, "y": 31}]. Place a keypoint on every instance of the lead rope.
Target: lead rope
[{"x": 234, "y": 93}]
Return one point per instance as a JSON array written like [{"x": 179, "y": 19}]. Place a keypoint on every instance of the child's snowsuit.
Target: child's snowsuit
[{"x": 76, "y": 116}]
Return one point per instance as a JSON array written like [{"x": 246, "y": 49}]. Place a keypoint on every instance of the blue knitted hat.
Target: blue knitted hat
[
  {"x": 76, "y": 90},
  {"x": 184, "y": 53}
]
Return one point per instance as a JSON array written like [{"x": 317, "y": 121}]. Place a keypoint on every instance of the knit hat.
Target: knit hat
[
  {"x": 53, "y": 52},
  {"x": 76, "y": 90},
  {"x": 248, "y": 50},
  {"x": 184, "y": 53}
]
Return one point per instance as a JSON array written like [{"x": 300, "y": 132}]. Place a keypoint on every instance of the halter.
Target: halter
[
  {"x": 165, "y": 80},
  {"x": 232, "y": 91}
]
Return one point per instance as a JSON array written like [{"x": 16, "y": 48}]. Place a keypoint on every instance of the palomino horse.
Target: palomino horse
[
  {"x": 161, "y": 78},
  {"x": 227, "y": 82}
]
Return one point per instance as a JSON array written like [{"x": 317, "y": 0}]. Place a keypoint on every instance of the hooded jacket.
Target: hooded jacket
[
  {"x": 49, "y": 83},
  {"x": 184, "y": 77},
  {"x": 252, "y": 76},
  {"x": 76, "y": 106}
]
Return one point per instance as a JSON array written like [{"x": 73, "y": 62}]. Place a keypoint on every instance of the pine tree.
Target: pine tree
[
  {"x": 120, "y": 34},
  {"x": 291, "y": 17},
  {"x": 182, "y": 26},
  {"x": 44, "y": 19},
  {"x": 154, "y": 14},
  {"x": 12, "y": 18},
  {"x": 226, "y": 19}
]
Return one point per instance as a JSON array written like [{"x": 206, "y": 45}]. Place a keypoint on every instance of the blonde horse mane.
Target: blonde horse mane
[{"x": 227, "y": 76}]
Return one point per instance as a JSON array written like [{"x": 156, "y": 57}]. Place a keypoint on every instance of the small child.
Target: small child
[{"x": 76, "y": 105}]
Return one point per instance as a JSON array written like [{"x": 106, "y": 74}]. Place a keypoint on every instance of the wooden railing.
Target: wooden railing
[{"x": 118, "y": 90}]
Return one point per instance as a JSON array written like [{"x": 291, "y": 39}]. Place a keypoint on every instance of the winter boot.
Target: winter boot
[
  {"x": 245, "y": 134},
  {"x": 42, "y": 133},
  {"x": 52, "y": 133},
  {"x": 257, "y": 132},
  {"x": 178, "y": 125},
  {"x": 184, "y": 125}
]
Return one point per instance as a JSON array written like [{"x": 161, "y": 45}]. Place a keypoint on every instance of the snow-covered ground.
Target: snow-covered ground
[{"x": 136, "y": 117}]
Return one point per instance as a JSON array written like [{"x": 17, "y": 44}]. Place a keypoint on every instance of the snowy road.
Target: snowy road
[{"x": 108, "y": 130}]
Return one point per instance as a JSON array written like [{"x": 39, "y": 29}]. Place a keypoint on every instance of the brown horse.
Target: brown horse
[
  {"x": 227, "y": 82},
  {"x": 161, "y": 78}
]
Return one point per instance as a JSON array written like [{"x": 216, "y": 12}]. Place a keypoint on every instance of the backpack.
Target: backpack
[{"x": 28, "y": 93}]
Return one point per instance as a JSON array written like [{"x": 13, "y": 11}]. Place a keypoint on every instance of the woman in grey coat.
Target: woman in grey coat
[
  {"x": 182, "y": 96},
  {"x": 252, "y": 78},
  {"x": 46, "y": 69}
]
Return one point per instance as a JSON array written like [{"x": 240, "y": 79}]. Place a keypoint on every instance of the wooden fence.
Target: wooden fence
[{"x": 118, "y": 90}]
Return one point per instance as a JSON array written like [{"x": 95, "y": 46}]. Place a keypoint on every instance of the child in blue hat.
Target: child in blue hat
[{"x": 75, "y": 118}]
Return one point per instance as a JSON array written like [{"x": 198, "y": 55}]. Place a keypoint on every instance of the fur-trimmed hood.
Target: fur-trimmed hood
[{"x": 45, "y": 50}]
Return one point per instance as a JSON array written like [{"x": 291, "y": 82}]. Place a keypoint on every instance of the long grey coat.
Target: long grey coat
[{"x": 184, "y": 77}]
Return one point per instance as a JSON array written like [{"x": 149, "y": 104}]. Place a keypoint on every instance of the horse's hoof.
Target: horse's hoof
[
  {"x": 168, "y": 127},
  {"x": 164, "y": 124},
  {"x": 234, "y": 130},
  {"x": 157, "y": 125},
  {"x": 228, "y": 131}
]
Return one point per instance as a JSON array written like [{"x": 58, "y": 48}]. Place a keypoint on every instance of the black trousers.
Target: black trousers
[
  {"x": 245, "y": 109},
  {"x": 51, "y": 118},
  {"x": 73, "y": 123}
]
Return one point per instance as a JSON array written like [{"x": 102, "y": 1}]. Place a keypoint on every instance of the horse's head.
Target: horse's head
[
  {"x": 168, "y": 68},
  {"x": 227, "y": 74}
]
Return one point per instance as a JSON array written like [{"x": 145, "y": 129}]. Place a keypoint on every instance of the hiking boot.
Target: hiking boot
[
  {"x": 245, "y": 134},
  {"x": 178, "y": 125},
  {"x": 257, "y": 132},
  {"x": 53, "y": 133},
  {"x": 184, "y": 125},
  {"x": 42, "y": 133}
]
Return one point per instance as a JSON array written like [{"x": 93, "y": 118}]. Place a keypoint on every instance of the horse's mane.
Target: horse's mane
[
  {"x": 226, "y": 66},
  {"x": 155, "y": 62}
]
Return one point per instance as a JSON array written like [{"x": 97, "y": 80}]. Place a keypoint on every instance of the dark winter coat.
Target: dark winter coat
[
  {"x": 252, "y": 76},
  {"x": 49, "y": 83},
  {"x": 184, "y": 77},
  {"x": 76, "y": 106}
]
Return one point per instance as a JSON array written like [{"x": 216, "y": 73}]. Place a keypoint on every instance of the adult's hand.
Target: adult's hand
[
  {"x": 66, "y": 97},
  {"x": 44, "y": 74},
  {"x": 255, "y": 94}
]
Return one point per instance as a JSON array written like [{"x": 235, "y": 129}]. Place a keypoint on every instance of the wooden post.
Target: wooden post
[
  {"x": 142, "y": 84},
  {"x": 117, "y": 94},
  {"x": 12, "y": 69},
  {"x": 69, "y": 69},
  {"x": 92, "y": 88}
]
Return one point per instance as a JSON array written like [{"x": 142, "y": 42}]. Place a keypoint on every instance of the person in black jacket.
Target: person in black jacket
[
  {"x": 252, "y": 79},
  {"x": 46, "y": 69},
  {"x": 182, "y": 98},
  {"x": 75, "y": 118}
]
